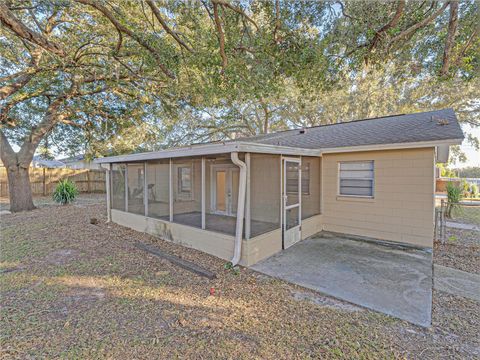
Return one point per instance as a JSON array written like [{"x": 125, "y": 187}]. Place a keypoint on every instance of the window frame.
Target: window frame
[
  {"x": 304, "y": 179},
  {"x": 184, "y": 195},
  {"x": 340, "y": 178}
]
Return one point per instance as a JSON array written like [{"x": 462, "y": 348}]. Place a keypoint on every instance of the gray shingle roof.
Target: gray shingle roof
[{"x": 425, "y": 126}]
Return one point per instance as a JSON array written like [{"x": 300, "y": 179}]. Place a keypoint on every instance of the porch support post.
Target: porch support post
[
  {"x": 145, "y": 188},
  {"x": 203, "y": 192},
  {"x": 108, "y": 189},
  {"x": 126, "y": 187},
  {"x": 170, "y": 190},
  {"x": 247, "y": 200}
]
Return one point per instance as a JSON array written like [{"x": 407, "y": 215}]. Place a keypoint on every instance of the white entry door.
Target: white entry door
[
  {"x": 224, "y": 182},
  {"x": 292, "y": 201}
]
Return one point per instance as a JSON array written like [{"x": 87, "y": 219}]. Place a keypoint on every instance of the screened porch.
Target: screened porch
[{"x": 202, "y": 192}]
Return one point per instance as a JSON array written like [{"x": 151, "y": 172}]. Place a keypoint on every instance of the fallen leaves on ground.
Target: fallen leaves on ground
[{"x": 81, "y": 290}]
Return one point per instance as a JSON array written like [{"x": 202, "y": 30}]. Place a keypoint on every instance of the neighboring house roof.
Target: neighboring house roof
[
  {"x": 430, "y": 128},
  {"x": 73, "y": 158},
  {"x": 38, "y": 160},
  {"x": 426, "y": 126}
]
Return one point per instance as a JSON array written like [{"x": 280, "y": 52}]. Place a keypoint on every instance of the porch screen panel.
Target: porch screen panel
[
  {"x": 187, "y": 191},
  {"x": 158, "y": 189},
  {"x": 265, "y": 193},
  {"x": 221, "y": 190},
  {"x": 310, "y": 186},
  {"x": 135, "y": 182},
  {"x": 118, "y": 186}
]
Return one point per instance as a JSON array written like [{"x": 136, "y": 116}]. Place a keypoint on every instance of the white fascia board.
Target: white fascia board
[
  {"x": 210, "y": 149},
  {"x": 277, "y": 149},
  {"x": 411, "y": 145},
  {"x": 228, "y": 147}
]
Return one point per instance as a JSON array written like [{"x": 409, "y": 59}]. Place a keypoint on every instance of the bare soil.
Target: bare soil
[
  {"x": 461, "y": 250},
  {"x": 72, "y": 289}
]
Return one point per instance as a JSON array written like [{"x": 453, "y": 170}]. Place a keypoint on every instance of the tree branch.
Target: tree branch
[
  {"x": 236, "y": 9},
  {"x": 392, "y": 23},
  {"x": 452, "y": 29},
  {"x": 221, "y": 37},
  {"x": 9, "y": 20},
  {"x": 96, "y": 5},
  {"x": 419, "y": 24},
  {"x": 165, "y": 26}
]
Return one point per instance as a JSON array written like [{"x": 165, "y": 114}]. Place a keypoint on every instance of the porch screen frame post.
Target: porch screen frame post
[
  {"x": 145, "y": 189},
  {"x": 126, "y": 187},
  {"x": 247, "y": 200},
  {"x": 203, "y": 192},
  {"x": 170, "y": 191},
  {"x": 108, "y": 188}
]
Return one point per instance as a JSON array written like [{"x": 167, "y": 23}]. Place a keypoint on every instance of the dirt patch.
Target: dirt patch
[
  {"x": 461, "y": 250},
  {"x": 62, "y": 256},
  {"x": 325, "y": 301}
]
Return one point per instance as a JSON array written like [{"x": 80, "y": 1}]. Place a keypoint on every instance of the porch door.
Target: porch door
[
  {"x": 224, "y": 199},
  {"x": 292, "y": 200}
]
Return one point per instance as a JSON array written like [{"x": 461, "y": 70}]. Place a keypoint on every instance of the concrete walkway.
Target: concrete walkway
[
  {"x": 393, "y": 281},
  {"x": 462, "y": 226},
  {"x": 456, "y": 282}
]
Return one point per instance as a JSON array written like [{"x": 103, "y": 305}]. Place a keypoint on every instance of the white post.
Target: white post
[
  {"x": 170, "y": 191},
  {"x": 145, "y": 188},
  {"x": 203, "y": 192},
  {"x": 126, "y": 187},
  {"x": 108, "y": 189},
  {"x": 247, "y": 200},
  {"x": 300, "y": 195}
]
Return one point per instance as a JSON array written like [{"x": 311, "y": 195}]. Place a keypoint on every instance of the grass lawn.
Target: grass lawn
[{"x": 71, "y": 289}]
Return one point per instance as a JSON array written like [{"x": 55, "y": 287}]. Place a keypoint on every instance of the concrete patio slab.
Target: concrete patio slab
[{"x": 394, "y": 281}]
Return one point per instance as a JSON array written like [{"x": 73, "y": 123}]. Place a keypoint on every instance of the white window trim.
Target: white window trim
[
  {"x": 309, "y": 168},
  {"x": 183, "y": 196},
  {"x": 355, "y": 196}
]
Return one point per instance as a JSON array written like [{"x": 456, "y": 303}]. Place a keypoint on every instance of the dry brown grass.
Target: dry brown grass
[{"x": 71, "y": 289}]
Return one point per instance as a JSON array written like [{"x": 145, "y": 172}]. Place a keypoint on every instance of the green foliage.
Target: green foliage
[
  {"x": 312, "y": 63},
  {"x": 65, "y": 192},
  {"x": 474, "y": 191},
  {"x": 465, "y": 187},
  {"x": 234, "y": 269},
  {"x": 454, "y": 195},
  {"x": 446, "y": 172}
]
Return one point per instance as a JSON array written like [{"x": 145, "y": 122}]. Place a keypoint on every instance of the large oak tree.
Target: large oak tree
[{"x": 109, "y": 77}]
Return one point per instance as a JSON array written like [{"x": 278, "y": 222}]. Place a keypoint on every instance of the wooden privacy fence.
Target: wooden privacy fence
[{"x": 43, "y": 180}]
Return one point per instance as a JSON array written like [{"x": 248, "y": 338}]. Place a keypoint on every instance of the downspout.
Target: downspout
[{"x": 237, "y": 252}]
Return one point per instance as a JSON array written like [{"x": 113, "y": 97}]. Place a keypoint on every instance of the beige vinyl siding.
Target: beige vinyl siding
[{"x": 402, "y": 207}]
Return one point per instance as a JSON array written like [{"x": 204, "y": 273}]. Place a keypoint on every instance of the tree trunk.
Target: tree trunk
[{"x": 19, "y": 189}]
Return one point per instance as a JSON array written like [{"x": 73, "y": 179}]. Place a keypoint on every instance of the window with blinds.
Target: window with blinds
[{"x": 356, "y": 178}]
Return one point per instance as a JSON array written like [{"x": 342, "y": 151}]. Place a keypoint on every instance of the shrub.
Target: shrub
[
  {"x": 474, "y": 190},
  {"x": 455, "y": 195},
  {"x": 65, "y": 192}
]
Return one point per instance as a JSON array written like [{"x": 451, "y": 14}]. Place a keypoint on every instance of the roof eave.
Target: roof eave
[
  {"x": 393, "y": 146},
  {"x": 210, "y": 149}
]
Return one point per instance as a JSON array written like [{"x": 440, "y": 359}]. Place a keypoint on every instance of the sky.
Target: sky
[{"x": 473, "y": 155}]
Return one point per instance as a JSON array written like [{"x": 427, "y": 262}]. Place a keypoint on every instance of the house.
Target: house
[
  {"x": 247, "y": 199},
  {"x": 41, "y": 162},
  {"x": 79, "y": 162}
]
